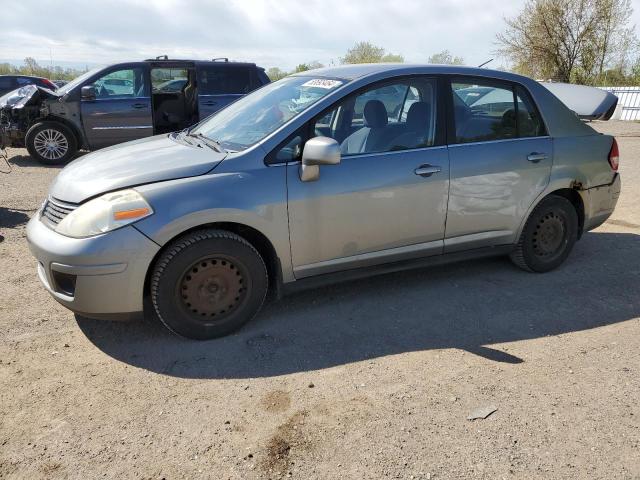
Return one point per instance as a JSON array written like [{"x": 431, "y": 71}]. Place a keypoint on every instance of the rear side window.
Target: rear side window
[
  {"x": 483, "y": 112},
  {"x": 225, "y": 80}
]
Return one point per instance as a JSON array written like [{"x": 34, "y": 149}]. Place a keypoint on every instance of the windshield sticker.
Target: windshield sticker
[{"x": 322, "y": 83}]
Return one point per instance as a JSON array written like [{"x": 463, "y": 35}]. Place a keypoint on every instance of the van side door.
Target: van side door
[
  {"x": 121, "y": 108},
  {"x": 219, "y": 84}
]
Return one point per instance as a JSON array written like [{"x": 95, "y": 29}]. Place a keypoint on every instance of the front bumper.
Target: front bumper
[
  {"x": 599, "y": 203},
  {"x": 98, "y": 277}
]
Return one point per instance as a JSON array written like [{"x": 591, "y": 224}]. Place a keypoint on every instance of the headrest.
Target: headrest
[
  {"x": 375, "y": 114},
  {"x": 418, "y": 116}
]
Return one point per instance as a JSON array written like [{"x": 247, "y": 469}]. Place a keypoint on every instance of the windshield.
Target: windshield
[
  {"x": 77, "y": 81},
  {"x": 252, "y": 118}
]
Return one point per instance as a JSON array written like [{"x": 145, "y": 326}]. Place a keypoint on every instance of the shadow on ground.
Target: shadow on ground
[
  {"x": 467, "y": 306},
  {"x": 27, "y": 161},
  {"x": 10, "y": 218}
]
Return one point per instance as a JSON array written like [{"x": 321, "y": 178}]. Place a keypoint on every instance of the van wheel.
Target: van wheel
[
  {"x": 548, "y": 236},
  {"x": 208, "y": 283},
  {"x": 51, "y": 143}
]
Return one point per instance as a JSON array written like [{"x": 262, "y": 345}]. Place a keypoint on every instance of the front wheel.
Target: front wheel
[
  {"x": 51, "y": 143},
  {"x": 208, "y": 283},
  {"x": 548, "y": 236}
]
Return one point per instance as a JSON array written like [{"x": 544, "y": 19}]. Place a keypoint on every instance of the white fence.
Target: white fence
[{"x": 628, "y": 102}]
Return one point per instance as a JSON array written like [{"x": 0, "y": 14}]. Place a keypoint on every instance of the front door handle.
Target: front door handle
[
  {"x": 139, "y": 105},
  {"x": 537, "y": 157},
  {"x": 427, "y": 170}
]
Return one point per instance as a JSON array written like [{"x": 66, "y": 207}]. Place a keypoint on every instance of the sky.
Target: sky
[{"x": 271, "y": 33}]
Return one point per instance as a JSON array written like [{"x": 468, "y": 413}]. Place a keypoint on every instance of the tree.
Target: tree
[
  {"x": 445, "y": 58},
  {"x": 274, "y": 73},
  {"x": 366, "y": 52},
  {"x": 303, "y": 67},
  {"x": 568, "y": 40}
]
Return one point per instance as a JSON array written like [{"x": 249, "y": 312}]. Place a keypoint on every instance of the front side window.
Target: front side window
[
  {"x": 483, "y": 112},
  {"x": 225, "y": 80},
  {"x": 124, "y": 83},
  {"x": 253, "y": 117},
  {"x": 396, "y": 116}
]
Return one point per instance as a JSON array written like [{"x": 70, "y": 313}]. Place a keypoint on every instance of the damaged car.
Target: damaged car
[
  {"x": 119, "y": 103},
  {"x": 323, "y": 176}
]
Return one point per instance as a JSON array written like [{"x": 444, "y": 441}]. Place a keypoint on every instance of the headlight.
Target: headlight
[{"x": 105, "y": 213}]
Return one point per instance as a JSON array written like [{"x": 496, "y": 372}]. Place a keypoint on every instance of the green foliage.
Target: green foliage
[
  {"x": 31, "y": 67},
  {"x": 275, "y": 73},
  {"x": 366, "y": 52},
  {"x": 445, "y": 58},
  {"x": 580, "y": 41}
]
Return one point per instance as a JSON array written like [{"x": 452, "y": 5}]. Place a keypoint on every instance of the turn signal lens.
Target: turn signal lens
[{"x": 131, "y": 214}]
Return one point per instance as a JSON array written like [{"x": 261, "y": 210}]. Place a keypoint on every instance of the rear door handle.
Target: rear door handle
[
  {"x": 427, "y": 170},
  {"x": 209, "y": 103},
  {"x": 139, "y": 105},
  {"x": 536, "y": 157}
]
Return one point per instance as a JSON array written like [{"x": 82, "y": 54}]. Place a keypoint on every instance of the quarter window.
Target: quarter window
[
  {"x": 225, "y": 80},
  {"x": 397, "y": 116},
  {"x": 125, "y": 83}
]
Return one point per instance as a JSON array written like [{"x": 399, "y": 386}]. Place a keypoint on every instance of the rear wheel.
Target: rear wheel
[
  {"x": 208, "y": 284},
  {"x": 548, "y": 236},
  {"x": 51, "y": 143}
]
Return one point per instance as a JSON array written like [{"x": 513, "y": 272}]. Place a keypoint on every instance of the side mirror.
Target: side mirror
[
  {"x": 88, "y": 92},
  {"x": 318, "y": 151}
]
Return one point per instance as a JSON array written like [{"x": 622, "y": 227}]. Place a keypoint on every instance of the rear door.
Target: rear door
[
  {"x": 219, "y": 84},
  {"x": 121, "y": 110},
  {"x": 500, "y": 157}
]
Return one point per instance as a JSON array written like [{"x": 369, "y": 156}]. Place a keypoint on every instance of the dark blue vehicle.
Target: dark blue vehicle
[{"x": 119, "y": 103}]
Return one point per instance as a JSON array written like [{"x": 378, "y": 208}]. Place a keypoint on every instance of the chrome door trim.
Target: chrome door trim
[
  {"x": 407, "y": 252},
  {"x": 502, "y": 140},
  {"x": 123, "y": 128}
]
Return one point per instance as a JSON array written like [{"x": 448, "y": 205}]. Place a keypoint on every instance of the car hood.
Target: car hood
[
  {"x": 149, "y": 160},
  {"x": 27, "y": 95},
  {"x": 589, "y": 103}
]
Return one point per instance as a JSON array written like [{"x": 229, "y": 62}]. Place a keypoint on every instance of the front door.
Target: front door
[
  {"x": 121, "y": 110},
  {"x": 501, "y": 160},
  {"x": 386, "y": 201}
]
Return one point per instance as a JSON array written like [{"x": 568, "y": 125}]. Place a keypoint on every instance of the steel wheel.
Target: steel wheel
[
  {"x": 549, "y": 235},
  {"x": 212, "y": 288},
  {"x": 51, "y": 144}
]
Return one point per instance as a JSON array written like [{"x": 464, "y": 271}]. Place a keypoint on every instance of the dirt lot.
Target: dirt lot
[{"x": 369, "y": 379}]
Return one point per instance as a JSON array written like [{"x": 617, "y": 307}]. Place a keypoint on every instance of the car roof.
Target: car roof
[
  {"x": 217, "y": 61},
  {"x": 23, "y": 76},
  {"x": 356, "y": 71}
]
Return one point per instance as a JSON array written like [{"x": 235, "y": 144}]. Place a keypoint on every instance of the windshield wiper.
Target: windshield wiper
[{"x": 211, "y": 143}]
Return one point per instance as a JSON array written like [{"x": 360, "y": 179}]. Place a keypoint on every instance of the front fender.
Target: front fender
[{"x": 255, "y": 198}]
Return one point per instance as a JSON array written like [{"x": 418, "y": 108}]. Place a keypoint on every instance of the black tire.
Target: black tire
[
  {"x": 208, "y": 284},
  {"x": 61, "y": 147},
  {"x": 548, "y": 236}
]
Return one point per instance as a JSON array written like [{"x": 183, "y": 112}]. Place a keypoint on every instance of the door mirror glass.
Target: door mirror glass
[
  {"x": 318, "y": 151},
  {"x": 88, "y": 92}
]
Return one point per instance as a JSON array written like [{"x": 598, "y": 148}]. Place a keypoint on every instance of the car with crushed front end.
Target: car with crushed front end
[
  {"x": 119, "y": 103},
  {"x": 295, "y": 185}
]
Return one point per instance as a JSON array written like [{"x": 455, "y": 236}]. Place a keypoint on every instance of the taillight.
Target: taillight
[{"x": 614, "y": 156}]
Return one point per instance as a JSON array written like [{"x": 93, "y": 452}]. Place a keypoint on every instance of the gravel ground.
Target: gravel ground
[{"x": 368, "y": 379}]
